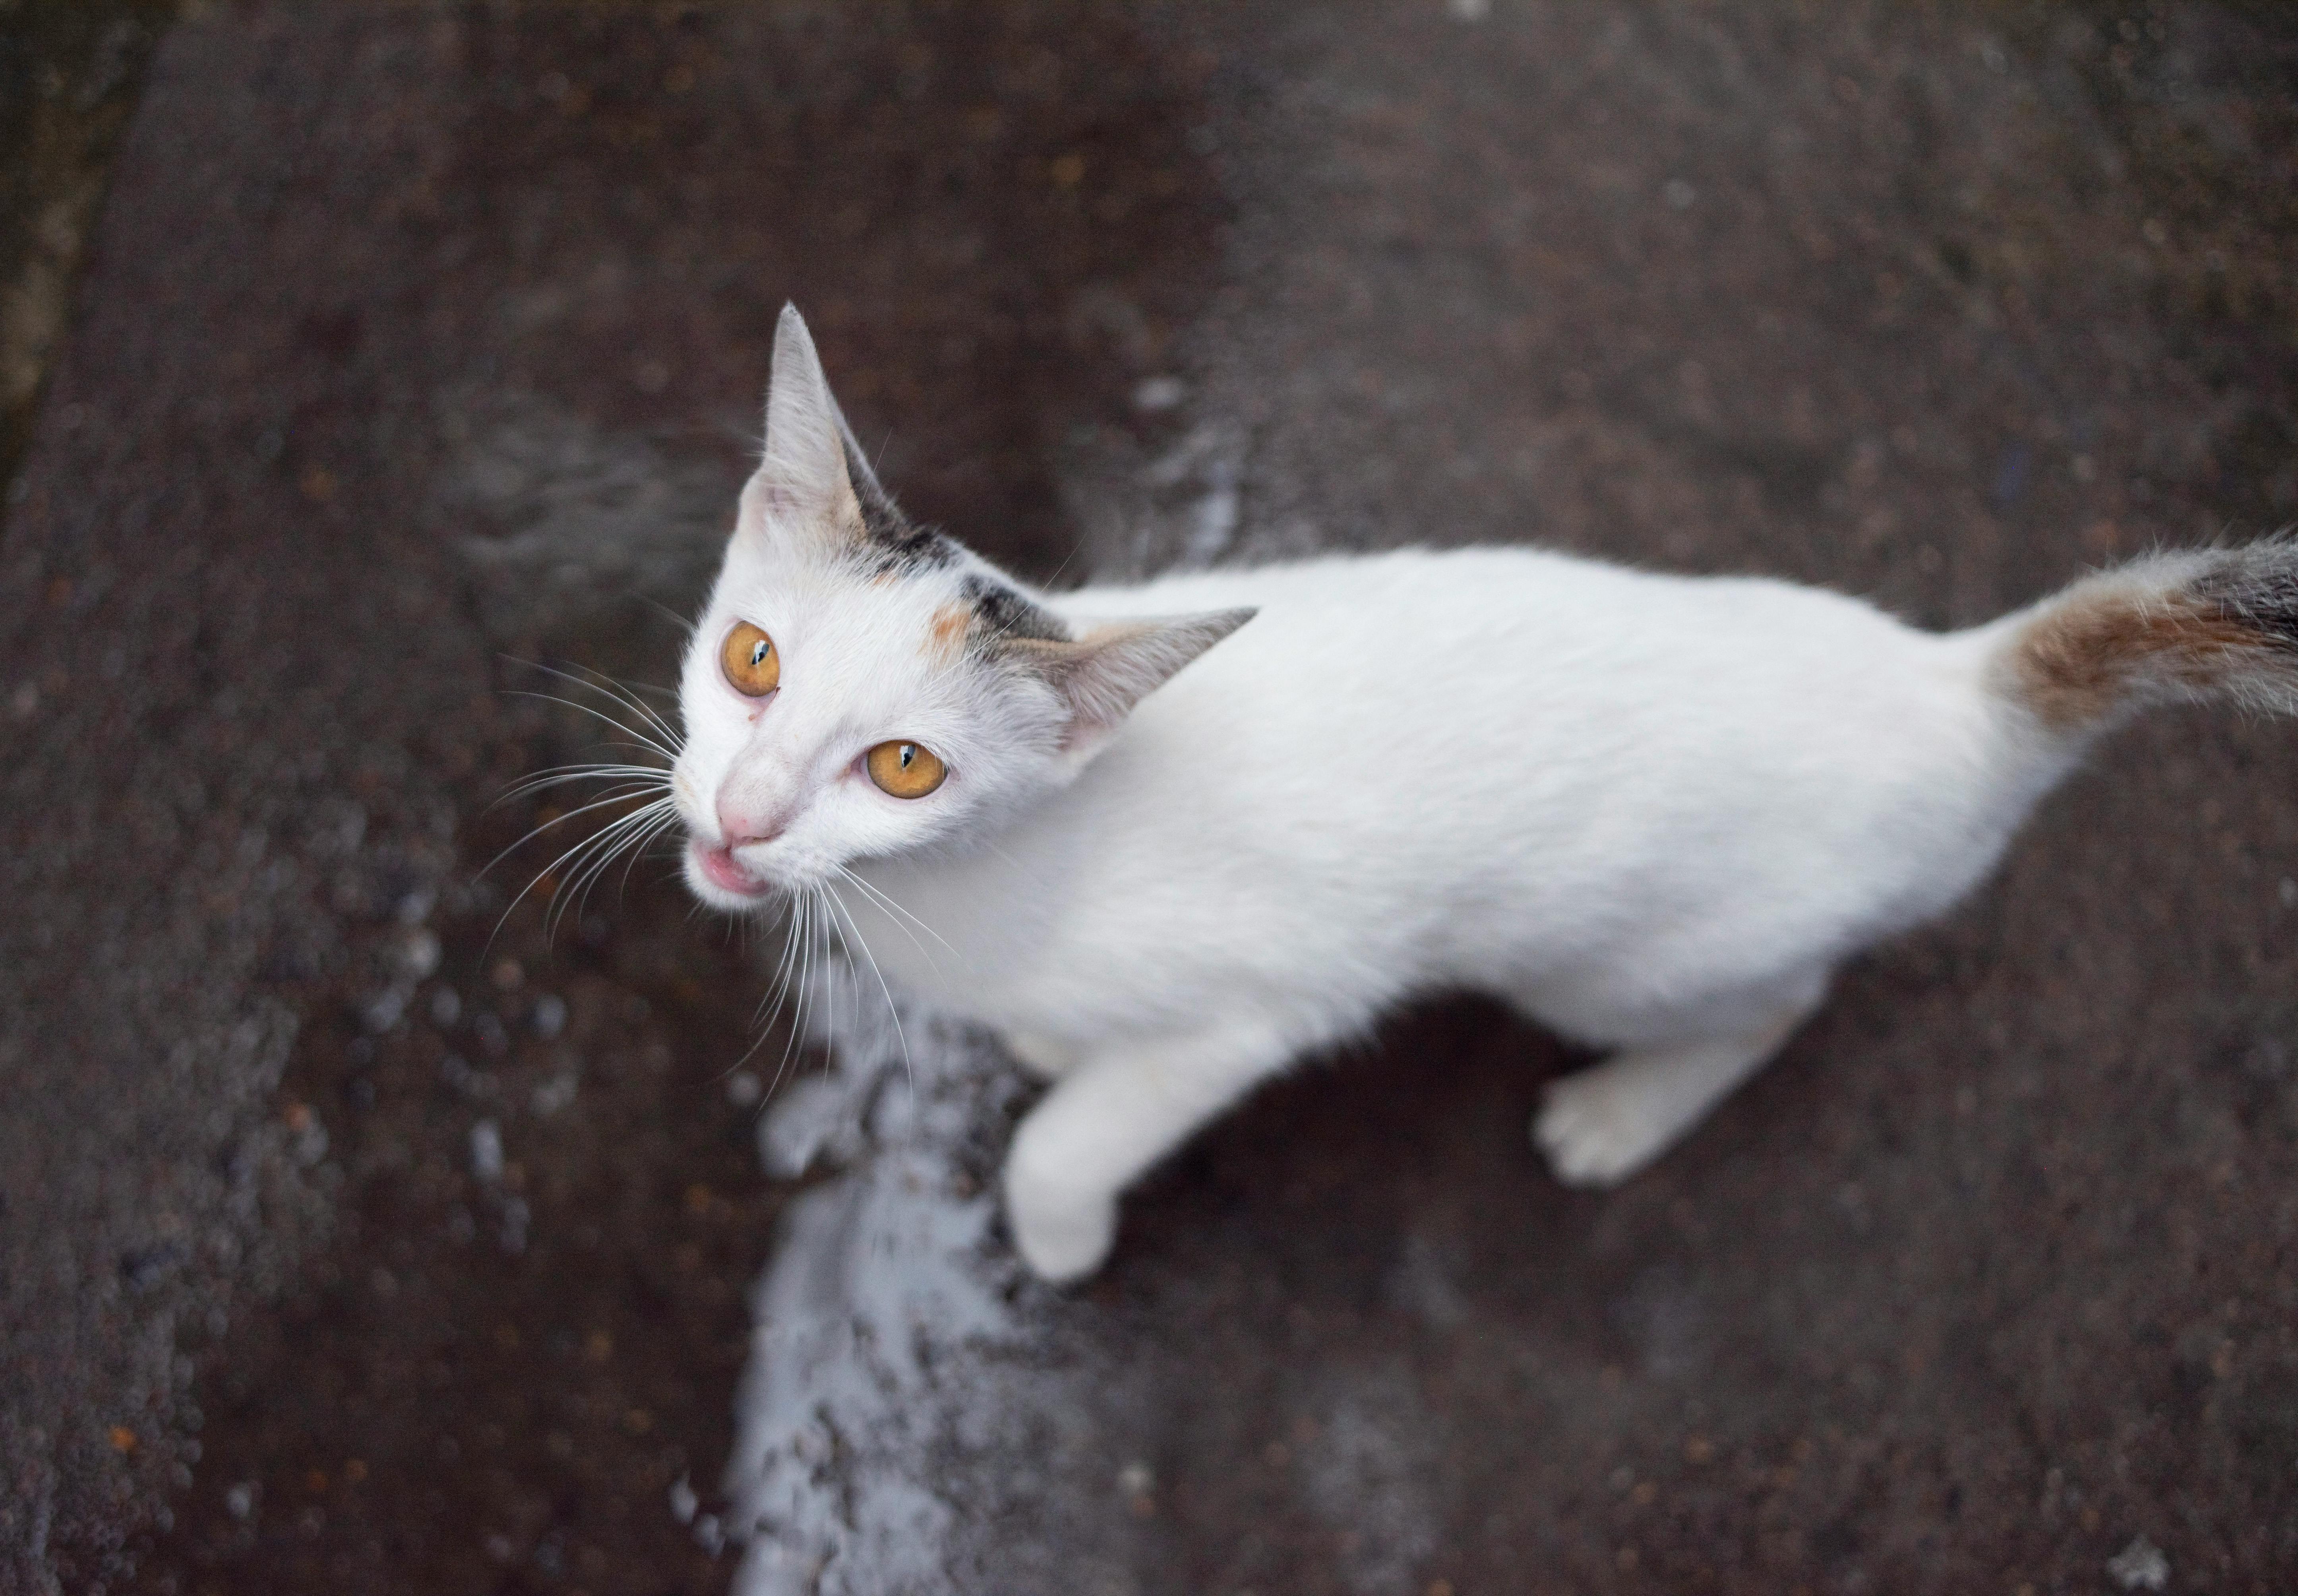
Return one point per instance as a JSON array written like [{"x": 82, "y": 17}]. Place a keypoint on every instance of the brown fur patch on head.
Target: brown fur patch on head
[
  {"x": 946, "y": 637},
  {"x": 2113, "y": 639}
]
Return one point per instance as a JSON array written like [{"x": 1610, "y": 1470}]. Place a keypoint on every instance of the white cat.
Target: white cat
[{"x": 1653, "y": 813}]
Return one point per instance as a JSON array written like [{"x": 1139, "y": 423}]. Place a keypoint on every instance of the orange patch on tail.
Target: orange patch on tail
[{"x": 2082, "y": 657}]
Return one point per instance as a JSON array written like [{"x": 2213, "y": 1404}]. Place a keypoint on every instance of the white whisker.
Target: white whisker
[
  {"x": 640, "y": 738},
  {"x": 645, "y": 775},
  {"x": 614, "y": 691},
  {"x": 597, "y": 853},
  {"x": 579, "y": 851},
  {"x": 629, "y": 834},
  {"x": 802, "y": 927},
  {"x": 887, "y": 903},
  {"x": 609, "y": 801},
  {"x": 892, "y": 1008}
]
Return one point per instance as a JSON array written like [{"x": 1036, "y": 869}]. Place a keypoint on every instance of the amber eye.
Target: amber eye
[
  {"x": 907, "y": 769},
  {"x": 750, "y": 662}
]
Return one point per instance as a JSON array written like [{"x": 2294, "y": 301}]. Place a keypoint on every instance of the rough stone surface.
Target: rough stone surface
[{"x": 345, "y": 1247}]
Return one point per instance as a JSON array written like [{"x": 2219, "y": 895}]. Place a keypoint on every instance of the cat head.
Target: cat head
[{"x": 859, "y": 686}]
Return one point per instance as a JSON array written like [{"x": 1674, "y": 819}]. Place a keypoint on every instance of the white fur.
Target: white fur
[{"x": 1653, "y": 813}]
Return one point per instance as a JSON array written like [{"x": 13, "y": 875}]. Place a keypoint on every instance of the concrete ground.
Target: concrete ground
[{"x": 361, "y": 1230}]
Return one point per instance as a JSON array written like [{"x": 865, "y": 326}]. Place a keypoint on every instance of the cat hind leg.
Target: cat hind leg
[{"x": 1600, "y": 1125}]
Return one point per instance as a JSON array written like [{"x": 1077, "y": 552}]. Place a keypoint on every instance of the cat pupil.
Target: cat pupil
[
  {"x": 758, "y": 651},
  {"x": 908, "y": 753}
]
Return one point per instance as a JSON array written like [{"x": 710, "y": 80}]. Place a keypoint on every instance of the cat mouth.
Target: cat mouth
[{"x": 723, "y": 871}]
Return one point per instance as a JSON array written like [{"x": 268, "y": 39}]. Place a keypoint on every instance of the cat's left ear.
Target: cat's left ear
[{"x": 1102, "y": 675}]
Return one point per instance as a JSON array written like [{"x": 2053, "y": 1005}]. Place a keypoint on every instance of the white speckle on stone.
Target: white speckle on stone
[
  {"x": 1155, "y": 394},
  {"x": 2140, "y": 1566},
  {"x": 416, "y": 907},
  {"x": 419, "y": 954},
  {"x": 487, "y": 1150},
  {"x": 1137, "y": 1478},
  {"x": 1678, "y": 195},
  {"x": 311, "y": 1143},
  {"x": 549, "y": 1015},
  {"x": 682, "y": 1500},
  {"x": 743, "y": 1090},
  {"x": 240, "y": 1501},
  {"x": 553, "y": 1095},
  {"x": 383, "y": 1010},
  {"x": 2288, "y": 893},
  {"x": 1470, "y": 11}
]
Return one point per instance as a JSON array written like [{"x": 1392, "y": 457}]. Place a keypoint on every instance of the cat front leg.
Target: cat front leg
[{"x": 1104, "y": 1123}]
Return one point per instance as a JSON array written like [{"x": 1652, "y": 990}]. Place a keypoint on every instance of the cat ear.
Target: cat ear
[
  {"x": 1102, "y": 675},
  {"x": 808, "y": 476}
]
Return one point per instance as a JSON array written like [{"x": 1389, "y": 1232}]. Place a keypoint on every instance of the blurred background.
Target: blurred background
[{"x": 361, "y": 1230}]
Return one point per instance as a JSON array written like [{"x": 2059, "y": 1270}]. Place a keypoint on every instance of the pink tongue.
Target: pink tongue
[{"x": 718, "y": 863}]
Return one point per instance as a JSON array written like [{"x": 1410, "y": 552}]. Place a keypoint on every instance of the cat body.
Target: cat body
[
  {"x": 1606, "y": 797},
  {"x": 1165, "y": 857}
]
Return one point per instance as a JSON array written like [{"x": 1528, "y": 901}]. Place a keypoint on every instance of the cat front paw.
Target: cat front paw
[{"x": 1063, "y": 1232}]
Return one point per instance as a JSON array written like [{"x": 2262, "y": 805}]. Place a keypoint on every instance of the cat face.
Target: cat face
[{"x": 859, "y": 687}]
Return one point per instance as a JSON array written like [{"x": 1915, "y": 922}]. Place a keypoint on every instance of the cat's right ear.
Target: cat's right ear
[
  {"x": 802, "y": 484},
  {"x": 1102, "y": 675}
]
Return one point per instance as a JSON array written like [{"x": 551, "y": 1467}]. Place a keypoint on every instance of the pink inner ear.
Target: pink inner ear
[{"x": 826, "y": 509}]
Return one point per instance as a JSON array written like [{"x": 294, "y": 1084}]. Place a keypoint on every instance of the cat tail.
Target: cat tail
[{"x": 2202, "y": 624}]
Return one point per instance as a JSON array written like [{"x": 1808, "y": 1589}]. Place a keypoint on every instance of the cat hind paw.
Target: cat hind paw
[{"x": 1596, "y": 1130}]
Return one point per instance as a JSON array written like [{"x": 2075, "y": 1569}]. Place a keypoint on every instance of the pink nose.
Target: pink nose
[{"x": 738, "y": 829}]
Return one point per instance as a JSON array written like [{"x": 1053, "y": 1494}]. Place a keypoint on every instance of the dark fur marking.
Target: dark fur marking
[
  {"x": 892, "y": 544},
  {"x": 2257, "y": 587},
  {"x": 1004, "y": 613}
]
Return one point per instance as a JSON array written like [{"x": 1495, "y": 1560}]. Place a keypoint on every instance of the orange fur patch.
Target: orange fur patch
[
  {"x": 2078, "y": 659},
  {"x": 947, "y": 636}
]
